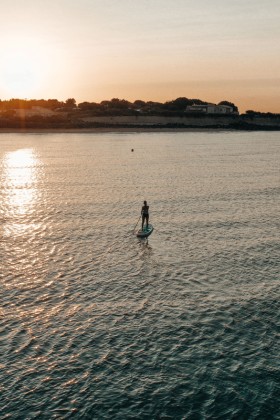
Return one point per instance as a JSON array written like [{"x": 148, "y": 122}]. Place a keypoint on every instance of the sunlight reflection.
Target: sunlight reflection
[{"x": 20, "y": 188}]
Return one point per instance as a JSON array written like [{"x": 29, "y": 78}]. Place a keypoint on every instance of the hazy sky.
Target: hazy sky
[{"x": 147, "y": 49}]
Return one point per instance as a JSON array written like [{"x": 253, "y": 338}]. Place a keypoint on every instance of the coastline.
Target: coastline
[
  {"x": 132, "y": 129},
  {"x": 108, "y": 130},
  {"x": 81, "y": 122}
]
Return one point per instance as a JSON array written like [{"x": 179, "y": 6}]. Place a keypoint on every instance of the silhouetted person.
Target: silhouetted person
[{"x": 145, "y": 214}]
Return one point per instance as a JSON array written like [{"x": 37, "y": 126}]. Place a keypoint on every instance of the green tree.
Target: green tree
[{"x": 70, "y": 103}]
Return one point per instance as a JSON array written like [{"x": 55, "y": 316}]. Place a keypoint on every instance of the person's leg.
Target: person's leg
[
  {"x": 143, "y": 219},
  {"x": 147, "y": 221}
]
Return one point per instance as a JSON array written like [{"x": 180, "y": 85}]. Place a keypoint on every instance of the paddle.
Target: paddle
[{"x": 137, "y": 222}]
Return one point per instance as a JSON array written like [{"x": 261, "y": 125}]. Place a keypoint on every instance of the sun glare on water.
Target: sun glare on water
[
  {"x": 20, "y": 187},
  {"x": 23, "y": 69}
]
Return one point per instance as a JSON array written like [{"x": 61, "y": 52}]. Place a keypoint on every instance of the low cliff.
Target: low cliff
[
  {"x": 242, "y": 122},
  {"x": 83, "y": 120}
]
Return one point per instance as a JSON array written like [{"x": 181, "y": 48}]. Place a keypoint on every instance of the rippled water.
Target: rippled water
[{"x": 96, "y": 324}]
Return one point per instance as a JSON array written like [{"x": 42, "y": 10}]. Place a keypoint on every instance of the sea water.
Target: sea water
[{"x": 97, "y": 324}]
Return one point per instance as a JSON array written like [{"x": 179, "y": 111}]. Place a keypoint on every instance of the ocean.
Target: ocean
[{"x": 98, "y": 324}]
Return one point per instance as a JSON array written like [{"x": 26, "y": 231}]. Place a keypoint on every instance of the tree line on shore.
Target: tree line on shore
[
  {"x": 69, "y": 114},
  {"x": 115, "y": 105}
]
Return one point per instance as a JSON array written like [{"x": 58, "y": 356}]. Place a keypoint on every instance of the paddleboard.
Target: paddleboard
[{"x": 145, "y": 232}]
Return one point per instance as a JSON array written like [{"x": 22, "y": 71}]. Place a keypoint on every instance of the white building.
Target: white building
[{"x": 211, "y": 109}]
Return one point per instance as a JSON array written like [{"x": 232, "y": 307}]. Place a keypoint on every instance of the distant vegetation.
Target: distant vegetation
[
  {"x": 115, "y": 105},
  {"x": 51, "y": 104},
  {"x": 52, "y": 113},
  {"x": 262, "y": 114},
  {"x": 123, "y": 107}
]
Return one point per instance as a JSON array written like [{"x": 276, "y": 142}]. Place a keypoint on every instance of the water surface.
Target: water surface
[{"x": 95, "y": 323}]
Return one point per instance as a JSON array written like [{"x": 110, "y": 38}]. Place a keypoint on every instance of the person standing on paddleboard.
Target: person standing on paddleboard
[{"x": 145, "y": 214}]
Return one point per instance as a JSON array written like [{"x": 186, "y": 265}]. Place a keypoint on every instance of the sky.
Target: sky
[{"x": 157, "y": 50}]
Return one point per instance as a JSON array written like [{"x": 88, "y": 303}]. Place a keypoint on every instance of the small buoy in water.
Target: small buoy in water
[{"x": 132, "y": 150}]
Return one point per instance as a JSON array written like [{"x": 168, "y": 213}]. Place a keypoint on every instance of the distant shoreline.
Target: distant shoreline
[
  {"x": 107, "y": 130},
  {"x": 127, "y": 130}
]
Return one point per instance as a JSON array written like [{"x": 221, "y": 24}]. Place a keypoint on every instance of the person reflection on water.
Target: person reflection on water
[{"x": 145, "y": 214}]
